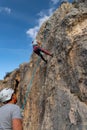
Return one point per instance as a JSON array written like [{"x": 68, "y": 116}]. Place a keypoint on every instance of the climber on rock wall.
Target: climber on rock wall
[{"x": 37, "y": 49}]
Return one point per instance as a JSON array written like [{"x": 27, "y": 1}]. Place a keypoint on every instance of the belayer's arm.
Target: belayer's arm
[{"x": 17, "y": 124}]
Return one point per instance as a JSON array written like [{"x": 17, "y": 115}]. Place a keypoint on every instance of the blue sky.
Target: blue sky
[{"x": 20, "y": 21}]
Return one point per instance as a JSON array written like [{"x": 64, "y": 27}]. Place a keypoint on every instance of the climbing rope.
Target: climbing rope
[{"x": 30, "y": 84}]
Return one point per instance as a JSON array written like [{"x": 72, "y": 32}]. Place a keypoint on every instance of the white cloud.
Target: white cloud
[
  {"x": 43, "y": 19},
  {"x": 5, "y": 10},
  {"x": 32, "y": 32},
  {"x": 51, "y": 11},
  {"x": 55, "y": 1}
]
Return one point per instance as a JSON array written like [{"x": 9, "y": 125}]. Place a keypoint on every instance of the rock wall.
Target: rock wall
[{"x": 54, "y": 96}]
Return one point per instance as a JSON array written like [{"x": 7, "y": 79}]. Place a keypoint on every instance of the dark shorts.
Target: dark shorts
[{"x": 37, "y": 50}]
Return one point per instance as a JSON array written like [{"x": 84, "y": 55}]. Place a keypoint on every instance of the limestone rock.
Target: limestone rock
[{"x": 54, "y": 96}]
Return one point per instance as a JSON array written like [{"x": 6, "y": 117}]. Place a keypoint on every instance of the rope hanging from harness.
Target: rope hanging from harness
[{"x": 30, "y": 84}]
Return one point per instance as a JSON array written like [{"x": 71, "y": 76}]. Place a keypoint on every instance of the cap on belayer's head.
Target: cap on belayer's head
[{"x": 6, "y": 94}]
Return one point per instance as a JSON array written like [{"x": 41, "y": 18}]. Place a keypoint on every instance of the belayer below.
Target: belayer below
[
  {"x": 37, "y": 49},
  {"x": 10, "y": 114}
]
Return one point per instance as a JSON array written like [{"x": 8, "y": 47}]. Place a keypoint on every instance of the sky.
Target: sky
[{"x": 20, "y": 21}]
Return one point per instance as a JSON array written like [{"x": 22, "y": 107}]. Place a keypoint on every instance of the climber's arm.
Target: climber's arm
[{"x": 39, "y": 43}]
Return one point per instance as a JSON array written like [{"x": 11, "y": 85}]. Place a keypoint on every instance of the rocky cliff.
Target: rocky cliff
[{"x": 54, "y": 96}]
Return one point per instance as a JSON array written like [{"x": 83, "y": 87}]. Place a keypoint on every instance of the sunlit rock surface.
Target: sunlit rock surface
[{"x": 54, "y": 96}]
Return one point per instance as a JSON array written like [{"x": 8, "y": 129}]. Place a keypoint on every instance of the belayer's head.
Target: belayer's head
[{"x": 7, "y": 95}]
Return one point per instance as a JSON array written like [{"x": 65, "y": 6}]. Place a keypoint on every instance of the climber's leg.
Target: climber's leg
[
  {"x": 43, "y": 58},
  {"x": 46, "y": 52},
  {"x": 38, "y": 52}
]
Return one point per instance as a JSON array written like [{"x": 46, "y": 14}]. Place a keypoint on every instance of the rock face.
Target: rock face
[{"x": 54, "y": 96}]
